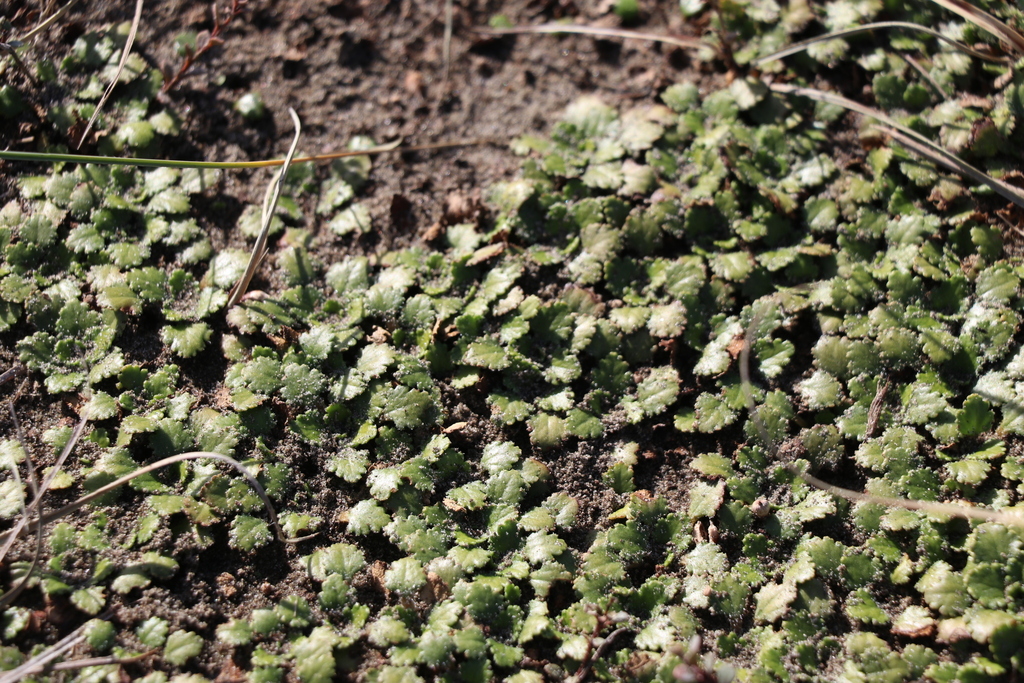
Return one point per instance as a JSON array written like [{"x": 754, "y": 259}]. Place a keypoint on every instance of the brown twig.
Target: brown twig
[
  {"x": 212, "y": 41},
  {"x": 875, "y": 411},
  {"x": 11, "y": 373},
  {"x": 590, "y": 656},
  {"x": 11, "y": 51}
]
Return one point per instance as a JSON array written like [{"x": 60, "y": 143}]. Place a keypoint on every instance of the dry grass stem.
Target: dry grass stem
[
  {"x": 45, "y": 23},
  {"x": 986, "y": 21},
  {"x": 39, "y": 663},
  {"x": 117, "y": 74},
  {"x": 259, "y": 250},
  {"x": 601, "y": 32},
  {"x": 803, "y": 45},
  {"x": 33, "y": 507},
  {"x": 912, "y": 140},
  {"x": 49, "y": 517}
]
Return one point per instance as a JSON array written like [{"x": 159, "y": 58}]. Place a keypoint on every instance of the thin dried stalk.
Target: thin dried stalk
[
  {"x": 803, "y": 45},
  {"x": 986, "y": 21},
  {"x": 913, "y": 140},
  {"x": 45, "y": 23},
  {"x": 95, "y": 661},
  {"x": 33, "y": 507},
  {"x": 35, "y": 664},
  {"x": 120, "y": 67},
  {"x": 951, "y": 161},
  {"x": 678, "y": 41},
  {"x": 12, "y": 52},
  {"x": 193, "y": 455},
  {"x": 259, "y": 250},
  {"x": 446, "y": 49},
  {"x": 11, "y": 373},
  {"x": 8, "y": 155}
]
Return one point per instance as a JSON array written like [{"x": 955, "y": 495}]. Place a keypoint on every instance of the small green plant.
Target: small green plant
[
  {"x": 192, "y": 47},
  {"x": 704, "y": 269}
]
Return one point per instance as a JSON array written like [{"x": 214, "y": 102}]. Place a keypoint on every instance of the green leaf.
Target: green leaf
[
  {"x": 499, "y": 456},
  {"x": 301, "y": 385},
  {"x": 340, "y": 558},
  {"x": 383, "y": 482},
  {"x": 405, "y": 576},
  {"x": 248, "y": 533},
  {"x": 997, "y": 284},
  {"x": 354, "y": 219},
  {"x": 987, "y": 584},
  {"x": 169, "y": 201},
  {"x": 715, "y": 358},
  {"x": 152, "y": 632},
  {"x": 182, "y": 646},
  {"x": 90, "y": 600},
  {"x": 349, "y": 464},
  {"x": 817, "y": 505},
  {"x": 349, "y": 276},
  {"x": 375, "y": 359},
  {"x": 486, "y": 354},
  {"x": 667, "y": 321},
  {"x": 314, "y": 656},
  {"x": 913, "y": 621},
  {"x": 235, "y": 632},
  {"x": 184, "y": 339},
  {"x": 773, "y": 601},
  {"x": 943, "y": 589},
  {"x": 713, "y": 465},
  {"x": 583, "y": 424},
  {"x": 590, "y": 116},
  {"x": 100, "y": 407},
  {"x": 713, "y": 413},
  {"x": 821, "y": 390},
  {"x": 774, "y": 355},
  {"x": 293, "y": 611},
  {"x": 976, "y": 417},
  {"x": 862, "y": 607},
  {"x": 542, "y": 546},
  {"x": 705, "y": 500},
  {"x": 970, "y": 472},
  {"x": 620, "y": 478},
  {"x": 547, "y": 431},
  {"x": 658, "y": 390},
  {"x": 367, "y": 516}
]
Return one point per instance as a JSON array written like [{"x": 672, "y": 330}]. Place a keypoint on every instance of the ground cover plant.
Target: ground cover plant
[{"x": 522, "y": 447}]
